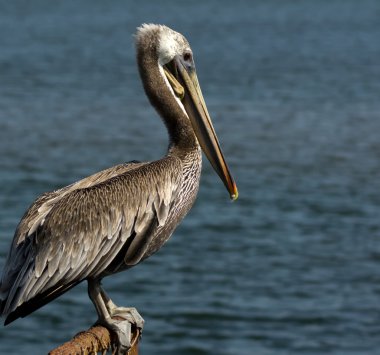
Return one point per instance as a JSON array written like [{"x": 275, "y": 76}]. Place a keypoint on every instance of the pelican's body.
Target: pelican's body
[{"x": 116, "y": 218}]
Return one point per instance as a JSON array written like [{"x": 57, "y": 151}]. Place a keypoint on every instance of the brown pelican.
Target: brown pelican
[{"x": 114, "y": 219}]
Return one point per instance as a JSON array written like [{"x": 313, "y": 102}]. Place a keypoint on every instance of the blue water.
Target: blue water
[{"x": 293, "y": 87}]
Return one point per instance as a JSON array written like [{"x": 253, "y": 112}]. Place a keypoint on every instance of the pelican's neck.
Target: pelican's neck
[{"x": 181, "y": 133}]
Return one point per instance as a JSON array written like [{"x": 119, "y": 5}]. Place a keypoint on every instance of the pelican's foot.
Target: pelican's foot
[
  {"x": 119, "y": 320},
  {"x": 130, "y": 314},
  {"x": 122, "y": 328}
]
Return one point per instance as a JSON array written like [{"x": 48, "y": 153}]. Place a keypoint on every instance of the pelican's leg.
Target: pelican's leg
[
  {"x": 129, "y": 313},
  {"x": 122, "y": 328}
]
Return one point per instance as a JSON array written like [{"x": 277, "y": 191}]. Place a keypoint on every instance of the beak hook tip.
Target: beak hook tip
[{"x": 234, "y": 196}]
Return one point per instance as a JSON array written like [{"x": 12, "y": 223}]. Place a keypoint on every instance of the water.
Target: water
[{"x": 293, "y": 89}]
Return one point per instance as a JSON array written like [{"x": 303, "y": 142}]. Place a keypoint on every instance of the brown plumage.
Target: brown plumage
[{"x": 114, "y": 219}]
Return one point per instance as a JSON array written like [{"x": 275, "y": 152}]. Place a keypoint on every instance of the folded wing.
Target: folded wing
[{"x": 78, "y": 232}]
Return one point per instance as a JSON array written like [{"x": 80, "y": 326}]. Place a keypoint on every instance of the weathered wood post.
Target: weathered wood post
[{"x": 94, "y": 340}]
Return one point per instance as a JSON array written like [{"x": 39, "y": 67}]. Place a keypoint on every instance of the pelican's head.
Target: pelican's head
[{"x": 174, "y": 58}]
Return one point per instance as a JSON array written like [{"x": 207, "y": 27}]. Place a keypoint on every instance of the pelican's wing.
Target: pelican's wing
[
  {"x": 35, "y": 215},
  {"x": 84, "y": 231}
]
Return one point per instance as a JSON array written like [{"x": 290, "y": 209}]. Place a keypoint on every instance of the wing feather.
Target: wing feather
[{"x": 76, "y": 232}]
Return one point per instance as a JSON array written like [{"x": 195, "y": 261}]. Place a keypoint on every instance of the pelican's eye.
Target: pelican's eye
[{"x": 188, "y": 57}]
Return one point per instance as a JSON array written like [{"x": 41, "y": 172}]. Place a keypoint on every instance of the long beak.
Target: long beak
[{"x": 196, "y": 109}]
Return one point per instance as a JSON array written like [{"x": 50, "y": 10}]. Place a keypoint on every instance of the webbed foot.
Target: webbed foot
[
  {"x": 122, "y": 329},
  {"x": 119, "y": 320}
]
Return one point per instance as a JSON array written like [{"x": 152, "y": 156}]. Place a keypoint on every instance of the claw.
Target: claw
[
  {"x": 129, "y": 313},
  {"x": 118, "y": 320},
  {"x": 121, "y": 326},
  {"x": 122, "y": 330}
]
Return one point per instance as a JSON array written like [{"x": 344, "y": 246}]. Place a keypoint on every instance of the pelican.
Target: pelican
[{"x": 116, "y": 218}]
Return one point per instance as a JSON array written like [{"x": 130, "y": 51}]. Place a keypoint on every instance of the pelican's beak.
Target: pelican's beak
[{"x": 183, "y": 79}]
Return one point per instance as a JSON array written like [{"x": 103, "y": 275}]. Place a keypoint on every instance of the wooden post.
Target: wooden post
[{"x": 94, "y": 340}]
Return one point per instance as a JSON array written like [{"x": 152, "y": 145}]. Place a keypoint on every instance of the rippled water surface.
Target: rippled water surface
[{"x": 293, "y": 266}]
